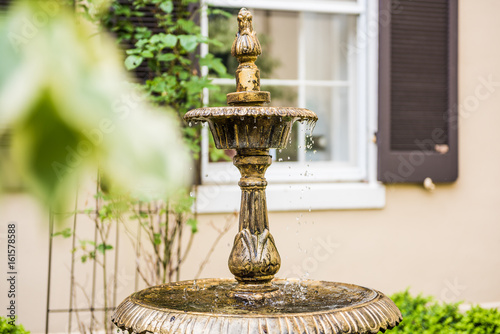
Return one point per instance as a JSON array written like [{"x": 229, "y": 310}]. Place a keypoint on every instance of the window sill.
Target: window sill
[{"x": 296, "y": 197}]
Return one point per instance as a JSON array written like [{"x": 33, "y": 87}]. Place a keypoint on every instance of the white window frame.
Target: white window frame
[{"x": 348, "y": 187}]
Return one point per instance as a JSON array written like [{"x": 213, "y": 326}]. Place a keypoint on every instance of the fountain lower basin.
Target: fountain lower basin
[{"x": 305, "y": 306}]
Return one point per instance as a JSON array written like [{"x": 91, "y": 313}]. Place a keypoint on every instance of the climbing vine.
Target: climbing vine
[{"x": 168, "y": 49}]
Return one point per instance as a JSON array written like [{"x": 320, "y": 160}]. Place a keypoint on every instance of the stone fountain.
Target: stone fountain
[{"x": 254, "y": 302}]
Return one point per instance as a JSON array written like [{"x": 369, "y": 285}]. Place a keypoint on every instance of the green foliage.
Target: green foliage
[
  {"x": 6, "y": 327},
  {"x": 424, "y": 315},
  {"x": 171, "y": 55}
]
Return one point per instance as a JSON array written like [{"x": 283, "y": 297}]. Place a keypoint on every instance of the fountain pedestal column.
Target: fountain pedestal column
[{"x": 254, "y": 259}]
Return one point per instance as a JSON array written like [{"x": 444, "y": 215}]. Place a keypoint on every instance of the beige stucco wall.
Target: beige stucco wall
[{"x": 445, "y": 243}]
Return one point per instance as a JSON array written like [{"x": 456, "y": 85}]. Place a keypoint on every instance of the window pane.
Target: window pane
[
  {"x": 217, "y": 98},
  {"x": 278, "y": 33},
  {"x": 331, "y": 136},
  {"x": 326, "y": 44},
  {"x": 282, "y": 96},
  {"x": 286, "y": 96},
  {"x": 222, "y": 29}
]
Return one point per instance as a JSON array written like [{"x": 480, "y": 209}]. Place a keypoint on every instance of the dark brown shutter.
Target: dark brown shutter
[{"x": 417, "y": 136}]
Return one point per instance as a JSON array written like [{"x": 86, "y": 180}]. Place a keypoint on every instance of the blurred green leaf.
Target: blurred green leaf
[
  {"x": 103, "y": 248},
  {"x": 167, "y": 6},
  {"x": 188, "y": 42},
  {"x": 147, "y": 54},
  {"x": 213, "y": 63},
  {"x": 166, "y": 57},
  {"x": 133, "y": 61},
  {"x": 66, "y": 233},
  {"x": 169, "y": 40},
  {"x": 193, "y": 223}
]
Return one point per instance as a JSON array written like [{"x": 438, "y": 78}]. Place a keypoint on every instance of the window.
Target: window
[{"x": 319, "y": 55}]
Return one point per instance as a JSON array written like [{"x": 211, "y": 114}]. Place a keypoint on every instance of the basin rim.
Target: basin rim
[{"x": 228, "y": 111}]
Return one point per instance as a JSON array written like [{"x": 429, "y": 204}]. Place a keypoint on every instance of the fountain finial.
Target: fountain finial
[
  {"x": 246, "y": 45},
  {"x": 246, "y": 48}
]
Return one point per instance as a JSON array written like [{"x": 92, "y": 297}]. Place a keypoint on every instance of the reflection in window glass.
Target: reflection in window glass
[
  {"x": 329, "y": 141},
  {"x": 285, "y": 96},
  {"x": 326, "y": 56},
  {"x": 282, "y": 96}
]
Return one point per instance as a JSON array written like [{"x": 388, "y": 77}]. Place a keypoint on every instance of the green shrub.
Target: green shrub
[
  {"x": 425, "y": 315},
  {"x": 6, "y": 327}
]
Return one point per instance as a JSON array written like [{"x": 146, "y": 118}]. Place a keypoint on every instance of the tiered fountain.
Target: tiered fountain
[{"x": 255, "y": 302}]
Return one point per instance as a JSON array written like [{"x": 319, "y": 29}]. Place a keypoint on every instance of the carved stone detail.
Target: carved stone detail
[
  {"x": 201, "y": 114},
  {"x": 254, "y": 257},
  {"x": 246, "y": 46}
]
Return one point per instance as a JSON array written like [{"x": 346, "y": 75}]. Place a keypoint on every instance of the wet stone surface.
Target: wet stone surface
[{"x": 212, "y": 296}]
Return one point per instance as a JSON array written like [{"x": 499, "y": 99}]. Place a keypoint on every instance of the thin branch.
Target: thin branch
[
  {"x": 186, "y": 252},
  {"x": 229, "y": 223},
  {"x": 179, "y": 247}
]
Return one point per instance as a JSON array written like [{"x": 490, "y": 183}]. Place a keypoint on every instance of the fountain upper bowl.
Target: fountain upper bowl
[{"x": 254, "y": 127}]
